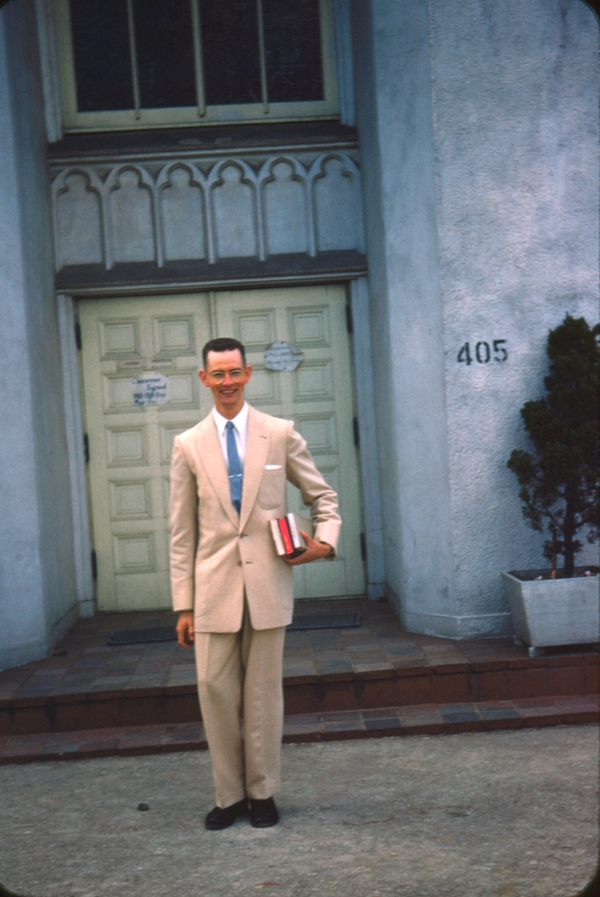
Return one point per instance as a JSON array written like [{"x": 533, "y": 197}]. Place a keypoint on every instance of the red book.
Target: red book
[{"x": 285, "y": 535}]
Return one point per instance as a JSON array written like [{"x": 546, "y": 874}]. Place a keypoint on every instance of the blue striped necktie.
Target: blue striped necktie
[{"x": 235, "y": 468}]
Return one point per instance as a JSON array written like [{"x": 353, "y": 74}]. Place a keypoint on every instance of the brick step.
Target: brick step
[
  {"x": 417, "y": 719},
  {"x": 449, "y": 683}
]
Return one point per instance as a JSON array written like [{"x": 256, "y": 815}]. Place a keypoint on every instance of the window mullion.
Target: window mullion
[
  {"x": 133, "y": 58},
  {"x": 263, "y": 58},
  {"x": 198, "y": 62}
]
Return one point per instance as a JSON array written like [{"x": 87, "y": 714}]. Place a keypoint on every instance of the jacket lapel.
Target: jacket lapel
[
  {"x": 211, "y": 457},
  {"x": 257, "y": 449}
]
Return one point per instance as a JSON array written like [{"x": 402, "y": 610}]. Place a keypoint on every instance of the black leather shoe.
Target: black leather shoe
[
  {"x": 263, "y": 813},
  {"x": 223, "y": 817}
]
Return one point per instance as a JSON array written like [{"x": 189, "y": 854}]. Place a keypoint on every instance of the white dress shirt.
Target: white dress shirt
[{"x": 240, "y": 430}]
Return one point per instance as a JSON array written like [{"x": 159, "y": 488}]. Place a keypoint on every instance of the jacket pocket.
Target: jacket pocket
[{"x": 272, "y": 489}]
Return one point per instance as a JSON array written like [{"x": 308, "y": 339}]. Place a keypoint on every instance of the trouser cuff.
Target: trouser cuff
[
  {"x": 231, "y": 799},
  {"x": 264, "y": 791}
]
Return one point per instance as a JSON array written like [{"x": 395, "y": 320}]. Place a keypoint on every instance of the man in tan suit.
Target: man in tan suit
[{"x": 234, "y": 593}]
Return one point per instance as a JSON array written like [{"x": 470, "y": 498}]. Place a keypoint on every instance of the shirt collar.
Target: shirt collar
[{"x": 240, "y": 421}]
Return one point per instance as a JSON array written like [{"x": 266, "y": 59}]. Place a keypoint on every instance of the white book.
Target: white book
[
  {"x": 297, "y": 522},
  {"x": 279, "y": 546}
]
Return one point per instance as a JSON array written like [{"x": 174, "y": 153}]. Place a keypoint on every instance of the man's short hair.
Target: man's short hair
[{"x": 223, "y": 344}]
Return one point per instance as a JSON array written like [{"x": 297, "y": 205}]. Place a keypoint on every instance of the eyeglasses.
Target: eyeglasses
[{"x": 219, "y": 376}]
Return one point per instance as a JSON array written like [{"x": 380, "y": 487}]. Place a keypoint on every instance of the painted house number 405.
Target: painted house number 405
[{"x": 483, "y": 352}]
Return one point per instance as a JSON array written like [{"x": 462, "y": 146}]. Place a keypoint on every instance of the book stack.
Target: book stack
[{"x": 288, "y": 540}]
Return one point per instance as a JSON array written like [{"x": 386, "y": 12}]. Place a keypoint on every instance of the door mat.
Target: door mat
[
  {"x": 141, "y": 636},
  {"x": 168, "y": 634},
  {"x": 324, "y": 621}
]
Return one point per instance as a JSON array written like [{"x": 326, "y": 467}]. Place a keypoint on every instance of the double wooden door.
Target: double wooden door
[{"x": 140, "y": 362}]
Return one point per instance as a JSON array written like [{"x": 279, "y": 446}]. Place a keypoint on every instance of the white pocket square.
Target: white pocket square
[{"x": 272, "y": 466}]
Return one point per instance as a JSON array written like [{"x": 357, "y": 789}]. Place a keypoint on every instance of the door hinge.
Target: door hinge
[
  {"x": 349, "y": 319},
  {"x": 94, "y": 566},
  {"x": 363, "y": 546},
  {"x": 355, "y": 431},
  {"x": 78, "y": 342},
  {"x": 86, "y": 448}
]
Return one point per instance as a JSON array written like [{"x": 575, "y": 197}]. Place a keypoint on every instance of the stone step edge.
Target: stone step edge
[
  {"x": 416, "y": 719},
  {"x": 446, "y": 668}
]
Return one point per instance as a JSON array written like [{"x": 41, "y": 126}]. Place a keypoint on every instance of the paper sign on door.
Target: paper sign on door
[{"x": 150, "y": 389}]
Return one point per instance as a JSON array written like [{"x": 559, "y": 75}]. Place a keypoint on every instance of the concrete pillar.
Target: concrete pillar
[
  {"x": 394, "y": 118},
  {"x": 37, "y": 582}
]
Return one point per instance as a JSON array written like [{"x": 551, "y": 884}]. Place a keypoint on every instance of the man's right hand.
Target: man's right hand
[{"x": 185, "y": 628}]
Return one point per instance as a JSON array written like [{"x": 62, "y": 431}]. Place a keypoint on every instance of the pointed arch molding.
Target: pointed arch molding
[{"x": 188, "y": 209}]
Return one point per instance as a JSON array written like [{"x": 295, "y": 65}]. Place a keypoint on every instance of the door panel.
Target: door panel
[
  {"x": 130, "y": 445},
  {"x": 317, "y": 396}
]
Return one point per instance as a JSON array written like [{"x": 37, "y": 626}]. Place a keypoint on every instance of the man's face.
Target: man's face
[{"x": 226, "y": 376}]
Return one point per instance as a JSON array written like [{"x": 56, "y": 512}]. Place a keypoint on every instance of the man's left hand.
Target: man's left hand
[{"x": 314, "y": 551}]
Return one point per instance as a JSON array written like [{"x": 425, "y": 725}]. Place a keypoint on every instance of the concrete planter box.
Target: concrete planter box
[{"x": 553, "y": 611}]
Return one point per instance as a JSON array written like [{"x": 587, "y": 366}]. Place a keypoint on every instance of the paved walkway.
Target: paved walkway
[{"x": 492, "y": 814}]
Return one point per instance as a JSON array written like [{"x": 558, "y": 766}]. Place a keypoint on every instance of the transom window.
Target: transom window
[{"x": 153, "y": 63}]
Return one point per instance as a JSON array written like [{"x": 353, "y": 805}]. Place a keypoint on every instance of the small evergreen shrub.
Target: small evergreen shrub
[{"x": 560, "y": 479}]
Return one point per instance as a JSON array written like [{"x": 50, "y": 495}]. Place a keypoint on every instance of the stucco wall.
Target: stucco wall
[
  {"x": 515, "y": 106},
  {"x": 478, "y": 127},
  {"x": 37, "y": 587}
]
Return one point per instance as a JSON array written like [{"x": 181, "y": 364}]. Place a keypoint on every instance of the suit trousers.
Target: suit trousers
[{"x": 240, "y": 681}]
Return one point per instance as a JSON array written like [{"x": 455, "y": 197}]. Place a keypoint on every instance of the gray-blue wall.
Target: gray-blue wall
[
  {"x": 515, "y": 91},
  {"x": 478, "y": 127}
]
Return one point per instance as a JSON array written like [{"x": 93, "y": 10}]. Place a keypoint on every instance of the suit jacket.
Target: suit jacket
[{"x": 216, "y": 554}]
